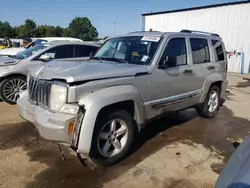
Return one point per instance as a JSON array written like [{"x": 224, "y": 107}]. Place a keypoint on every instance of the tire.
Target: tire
[
  {"x": 11, "y": 87},
  {"x": 206, "y": 110},
  {"x": 125, "y": 123}
]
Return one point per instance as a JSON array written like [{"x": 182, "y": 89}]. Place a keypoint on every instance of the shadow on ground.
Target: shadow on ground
[
  {"x": 158, "y": 134},
  {"x": 229, "y": 96},
  {"x": 243, "y": 84}
]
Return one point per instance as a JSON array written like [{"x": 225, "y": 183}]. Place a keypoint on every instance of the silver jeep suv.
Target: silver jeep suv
[{"x": 97, "y": 107}]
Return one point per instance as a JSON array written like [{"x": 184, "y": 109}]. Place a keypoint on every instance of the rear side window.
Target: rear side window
[
  {"x": 85, "y": 51},
  {"x": 200, "y": 50},
  {"x": 218, "y": 50},
  {"x": 61, "y": 52}
]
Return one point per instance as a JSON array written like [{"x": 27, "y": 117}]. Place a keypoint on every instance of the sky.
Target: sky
[{"x": 102, "y": 13}]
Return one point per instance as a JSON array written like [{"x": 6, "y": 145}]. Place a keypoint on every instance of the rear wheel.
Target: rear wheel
[
  {"x": 11, "y": 87},
  {"x": 212, "y": 103},
  {"x": 112, "y": 138}
]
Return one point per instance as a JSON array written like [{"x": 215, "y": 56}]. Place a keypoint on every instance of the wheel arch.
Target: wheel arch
[
  {"x": 12, "y": 75},
  {"x": 213, "y": 79},
  {"x": 125, "y": 97}
]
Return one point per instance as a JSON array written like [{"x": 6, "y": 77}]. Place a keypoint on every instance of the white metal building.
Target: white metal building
[{"x": 230, "y": 20}]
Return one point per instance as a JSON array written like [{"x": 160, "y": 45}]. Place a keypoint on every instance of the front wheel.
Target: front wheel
[
  {"x": 11, "y": 87},
  {"x": 112, "y": 138},
  {"x": 212, "y": 103}
]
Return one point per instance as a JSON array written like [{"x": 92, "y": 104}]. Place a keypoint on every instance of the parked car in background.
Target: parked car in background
[
  {"x": 13, "y": 70},
  {"x": 99, "y": 106},
  {"x": 14, "y": 51},
  {"x": 1, "y": 45},
  {"x": 26, "y": 42}
]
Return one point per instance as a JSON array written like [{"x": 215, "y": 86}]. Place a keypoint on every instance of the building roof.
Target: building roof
[{"x": 197, "y": 8}]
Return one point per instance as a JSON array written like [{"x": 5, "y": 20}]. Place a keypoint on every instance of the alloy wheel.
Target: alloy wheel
[
  {"x": 213, "y": 101},
  {"x": 113, "y": 137},
  {"x": 12, "y": 89}
]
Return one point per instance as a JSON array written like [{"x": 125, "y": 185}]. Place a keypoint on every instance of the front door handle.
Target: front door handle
[
  {"x": 210, "y": 67},
  {"x": 187, "y": 71}
]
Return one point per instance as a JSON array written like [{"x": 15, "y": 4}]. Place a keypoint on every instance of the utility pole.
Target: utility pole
[{"x": 114, "y": 29}]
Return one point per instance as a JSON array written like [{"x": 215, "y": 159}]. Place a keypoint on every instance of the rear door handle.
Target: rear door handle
[
  {"x": 187, "y": 71},
  {"x": 210, "y": 67}
]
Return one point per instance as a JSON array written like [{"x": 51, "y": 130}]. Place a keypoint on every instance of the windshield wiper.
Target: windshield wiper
[
  {"x": 111, "y": 59},
  {"x": 98, "y": 58},
  {"x": 121, "y": 60},
  {"x": 115, "y": 60}
]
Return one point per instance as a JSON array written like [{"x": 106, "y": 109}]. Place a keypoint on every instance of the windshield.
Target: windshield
[
  {"x": 29, "y": 52},
  {"x": 36, "y": 42},
  {"x": 133, "y": 50}
]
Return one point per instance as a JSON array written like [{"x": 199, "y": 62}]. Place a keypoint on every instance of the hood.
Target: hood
[
  {"x": 86, "y": 70},
  {"x": 11, "y": 51},
  {"x": 8, "y": 60}
]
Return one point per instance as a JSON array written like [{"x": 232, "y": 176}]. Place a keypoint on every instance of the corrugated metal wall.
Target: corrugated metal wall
[{"x": 232, "y": 23}]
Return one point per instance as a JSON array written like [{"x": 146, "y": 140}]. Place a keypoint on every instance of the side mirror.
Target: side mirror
[
  {"x": 91, "y": 54},
  {"x": 163, "y": 62},
  {"x": 45, "y": 57}
]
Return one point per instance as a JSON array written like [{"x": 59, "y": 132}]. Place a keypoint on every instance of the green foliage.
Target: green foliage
[
  {"x": 66, "y": 33},
  {"x": 6, "y": 30},
  {"x": 58, "y": 31},
  {"x": 29, "y": 26},
  {"x": 80, "y": 27},
  {"x": 21, "y": 31}
]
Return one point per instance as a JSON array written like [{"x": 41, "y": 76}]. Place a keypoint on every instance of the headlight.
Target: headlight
[
  {"x": 70, "y": 109},
  {"x": 58, "y": 96}
]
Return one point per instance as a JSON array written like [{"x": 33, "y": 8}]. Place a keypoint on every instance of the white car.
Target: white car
[{"x": 14, "y": 51}]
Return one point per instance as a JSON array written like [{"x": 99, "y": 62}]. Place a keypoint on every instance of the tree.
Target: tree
[
  {"x": 30, "y": 26},
  {"x": 26, "y": 30},
  {"x": 6, "y": 30},
  {"x": 50, "y": 31},
  {"x": 21, "y": 31},
  {"x": 66, "y": 33},
  {"x": 81, "y": 27},
  {"x": 40, "y": 31},
  {"x": 58, "y": 31}
]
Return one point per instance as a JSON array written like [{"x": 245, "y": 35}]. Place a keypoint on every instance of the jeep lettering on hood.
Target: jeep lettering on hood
[{"x": 88, "y": 70}]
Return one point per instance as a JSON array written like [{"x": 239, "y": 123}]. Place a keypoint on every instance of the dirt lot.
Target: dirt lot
[{"x": 181, "y": 150}]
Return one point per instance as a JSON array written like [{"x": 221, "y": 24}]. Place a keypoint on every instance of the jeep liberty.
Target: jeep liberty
[{"x": 97, "y": 107}]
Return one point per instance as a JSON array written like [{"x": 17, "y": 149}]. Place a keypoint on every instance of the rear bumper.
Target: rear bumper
[{"x": 50, "y": 125}]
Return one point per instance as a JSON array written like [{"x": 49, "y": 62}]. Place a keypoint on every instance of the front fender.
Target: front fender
[{"x": 94, "y": 102}]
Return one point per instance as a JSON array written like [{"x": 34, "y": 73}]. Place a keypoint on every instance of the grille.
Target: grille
[{"x": 39, "y": 91}]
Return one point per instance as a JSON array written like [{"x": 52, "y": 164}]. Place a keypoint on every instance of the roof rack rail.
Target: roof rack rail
[{"x": 199, "y": 32}]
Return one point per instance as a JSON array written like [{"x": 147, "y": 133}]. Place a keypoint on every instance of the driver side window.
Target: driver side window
[{"x": 175, "y": 53}]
